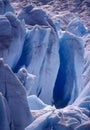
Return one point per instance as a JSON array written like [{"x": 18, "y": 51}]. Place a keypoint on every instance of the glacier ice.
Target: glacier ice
[
  {"x": 26, "y": 79},
  {"x": 12, "y": 35},
  {"x": 35, "y": 103},
  {"x": 43, "y": 65},
  {"x": 5, "y": 118},
  {"x": 16, "y": 97},
  {"x": 76, "y": 27},
  {"x": 84, "y": 96},
  {"x": 41, "y": 43},
  {"x": 5, "y": 6},
  {"x": 69, "y": 84},
  {"x": 72, "y": 117}
]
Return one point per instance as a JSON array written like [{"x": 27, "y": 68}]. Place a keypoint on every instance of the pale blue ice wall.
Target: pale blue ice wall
[
  {"x": 40, "y": 52},
  {"x": 41, "y": 58},
  {"x": 5, "y": 6},
  {"x": 12, "y": 35}
]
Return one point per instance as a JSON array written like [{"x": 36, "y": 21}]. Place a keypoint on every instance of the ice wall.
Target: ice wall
[
  {"x": 59, "y": 62},
  {"x": 5, "y": 6},
  {"x": 40, "y": 52},
  {"x": 15, "y": 94},
  {"x": 12, "y": 35},
  {"x": 72, "y": 117},
  {"x": 69, "y": 84}
]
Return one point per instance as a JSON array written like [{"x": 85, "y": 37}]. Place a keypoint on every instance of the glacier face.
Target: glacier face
[
  {"x": 26, "y": 79},
  {"x": 15, "y": 95},
  {"x": 5, "y": 6},
  {"x": 35, "y": 103},
  {"x": 41, "y": 58},
  {"x": 40, "y": 52},
  {"x": 5, "y": 120},
  {"x": 69, "y": 84},
  {"x": 45, "y": 65},
  {"x": 12, "y": 36},
  {"x": 76, "y": 27}
]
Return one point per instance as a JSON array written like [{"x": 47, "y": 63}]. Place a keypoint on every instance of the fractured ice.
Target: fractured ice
[{"x": 41, "y": 65}]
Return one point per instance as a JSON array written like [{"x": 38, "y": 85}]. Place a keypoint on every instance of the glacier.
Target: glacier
[
  {"x": 44, "y": 70},
  {"x": 13, "y": 40},
  {"x": 41, "y": 43},
  {"x": 15, "y": 94},
  {"x": 69, "y": 84},
  {"x": 5, "y": 6}
]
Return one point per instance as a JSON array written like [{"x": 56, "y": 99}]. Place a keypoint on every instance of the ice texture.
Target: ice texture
[
  {"x": 5, "y": 6},
  {"x": 12, "y": 35},
  {"x": 44, "y": 67},
  {"x": 68, "y": 84},
  {"x": 15, "y": 95}
]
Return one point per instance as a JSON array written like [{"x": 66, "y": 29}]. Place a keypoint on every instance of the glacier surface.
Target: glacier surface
[{"x": 44, "y": 70}]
